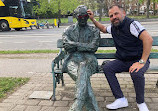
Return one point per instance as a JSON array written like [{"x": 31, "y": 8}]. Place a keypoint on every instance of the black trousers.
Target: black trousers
[{"x": 117, "y": 66}]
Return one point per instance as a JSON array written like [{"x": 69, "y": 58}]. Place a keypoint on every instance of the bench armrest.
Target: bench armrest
[{"x": 57, "y": 61}]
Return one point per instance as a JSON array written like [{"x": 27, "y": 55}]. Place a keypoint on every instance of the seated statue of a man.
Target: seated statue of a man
[{"x": 81, "y": 41}]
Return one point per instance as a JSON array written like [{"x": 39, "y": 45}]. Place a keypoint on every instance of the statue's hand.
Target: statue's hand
[
  {"x": 67, "y": 45},
  {"x": 70, "y": 44}
]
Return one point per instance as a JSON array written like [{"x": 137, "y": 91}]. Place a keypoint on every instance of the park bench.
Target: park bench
[{"x": 104, "y": 42}]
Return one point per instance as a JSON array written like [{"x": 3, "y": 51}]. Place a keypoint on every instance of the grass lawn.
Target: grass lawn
[
  {"x": 9, "y": 84},
  {"x": 28, "y": 51},
  {"x": 52, "y": 51}
]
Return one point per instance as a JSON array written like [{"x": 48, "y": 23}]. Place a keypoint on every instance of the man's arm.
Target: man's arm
[
  {"x": 101, "y": 27},
  {"x": 147, "y": 45}
]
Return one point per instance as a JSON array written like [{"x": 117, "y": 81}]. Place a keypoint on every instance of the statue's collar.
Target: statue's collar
[{"x": 78, "y": 27}]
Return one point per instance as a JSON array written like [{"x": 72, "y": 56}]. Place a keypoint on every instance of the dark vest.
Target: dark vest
[{"x": 128, "y": 46}]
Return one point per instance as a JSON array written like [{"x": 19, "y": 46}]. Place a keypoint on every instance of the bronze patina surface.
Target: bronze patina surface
[{"x": 81, "y": 41}]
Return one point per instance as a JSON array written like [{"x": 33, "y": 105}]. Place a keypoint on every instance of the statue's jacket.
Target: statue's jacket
[{"x": 82, "y": 43}]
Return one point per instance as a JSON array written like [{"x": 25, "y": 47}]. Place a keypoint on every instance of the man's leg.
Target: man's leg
[
  {"x": 139, "y": 85},
  {"x": 110, "y": 69}
]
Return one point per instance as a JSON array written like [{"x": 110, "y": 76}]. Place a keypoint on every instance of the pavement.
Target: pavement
[{"x": 38, "y": 68}]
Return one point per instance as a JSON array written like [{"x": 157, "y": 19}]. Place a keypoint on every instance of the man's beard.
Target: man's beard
[{"x": 116, "y": 24}]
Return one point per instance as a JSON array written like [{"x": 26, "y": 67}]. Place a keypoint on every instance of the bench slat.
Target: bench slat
[
  {"x": 155, "y": 41},
  {"x": 105, "y": 55},
  {"x": 153, "y": 55},
  {"x": 108, "y": 42}
]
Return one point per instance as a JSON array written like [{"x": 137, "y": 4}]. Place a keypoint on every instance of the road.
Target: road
[{"x": 46, "y": 38}]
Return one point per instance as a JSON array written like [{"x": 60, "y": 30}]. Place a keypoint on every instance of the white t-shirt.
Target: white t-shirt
[{"x": 135, "y": 28}]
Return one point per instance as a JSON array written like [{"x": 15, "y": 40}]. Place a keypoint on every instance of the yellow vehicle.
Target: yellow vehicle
[{"x": 16, "y": 14}]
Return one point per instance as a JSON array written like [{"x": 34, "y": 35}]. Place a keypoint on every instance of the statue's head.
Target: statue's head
[{"x": 81, "y": 15}]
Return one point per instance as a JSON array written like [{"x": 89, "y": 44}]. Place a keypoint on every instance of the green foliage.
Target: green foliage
[
  {"x": 91, "y": 4},
  {"x": 140, "y": 1},
  {"x": 9, "y": 84},
  {"x": 68, "y": 6},
  {"x": 51, "y": 9}
]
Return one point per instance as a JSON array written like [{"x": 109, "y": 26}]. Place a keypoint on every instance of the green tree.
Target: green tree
[
  {"x": 154, "y": 4},
  {"x": 54, "y": 8},
  {"x": 148, "y": 2}
]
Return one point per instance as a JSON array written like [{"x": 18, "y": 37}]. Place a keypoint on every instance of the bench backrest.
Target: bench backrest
[{"x": 108, "y": 42}]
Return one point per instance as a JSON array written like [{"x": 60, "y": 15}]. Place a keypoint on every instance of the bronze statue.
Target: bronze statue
[{"x": 81, "y": 41}]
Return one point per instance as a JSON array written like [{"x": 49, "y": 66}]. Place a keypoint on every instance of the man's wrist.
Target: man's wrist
[
  {"x": 141, "y": 61},
  {"x": 94, "y": 21}
]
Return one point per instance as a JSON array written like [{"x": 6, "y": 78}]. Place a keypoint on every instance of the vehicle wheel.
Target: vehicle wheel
[
  {"x": 17, "y": 29},
  {"x": 4, "y": 26}
]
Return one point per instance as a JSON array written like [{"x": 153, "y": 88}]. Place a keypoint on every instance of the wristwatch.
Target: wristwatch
[{"x": 141, "y": 61}]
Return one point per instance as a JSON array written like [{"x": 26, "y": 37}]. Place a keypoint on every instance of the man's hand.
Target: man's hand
[
  {"x": 135, "y": 67},
  {"x": 90, "y": 14},
  {"x": 97, "y": 24}
]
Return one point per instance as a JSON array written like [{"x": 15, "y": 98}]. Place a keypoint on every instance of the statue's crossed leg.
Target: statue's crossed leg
[{"x": 80, "y": 72}]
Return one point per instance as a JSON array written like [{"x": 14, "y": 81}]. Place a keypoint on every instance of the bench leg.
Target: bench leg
[
  {"x": 157, "y": 84},
  {"x": 54, "y": 83},
  {"x": 54, "y": 87},
  {"x": 62, "y": 80}
]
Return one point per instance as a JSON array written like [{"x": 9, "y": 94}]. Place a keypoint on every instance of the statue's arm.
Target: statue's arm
[
  {"x": 93, "y": 45},
  {"x": 68, "y": 45}
]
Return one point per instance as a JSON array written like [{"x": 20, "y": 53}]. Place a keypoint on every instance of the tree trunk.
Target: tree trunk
[
  {"x": 147, "y": 10},
  {"x": 154, "y": 10},
  {"x": 138, "y": 9},
  {"x": 100, "y": 2},
  {"x": 106, "y": 7},
  {"x": 59, "y": 12},
  {"x": 100, "y": 13}
]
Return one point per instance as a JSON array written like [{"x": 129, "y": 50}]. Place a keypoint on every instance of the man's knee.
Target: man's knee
[
  {"x": 112, "y": 67},
  {"x": 138, "y": 74},
  {"x": 107, "y": 69}
]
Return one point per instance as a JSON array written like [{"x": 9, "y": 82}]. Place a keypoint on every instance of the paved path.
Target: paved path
[{"x": 41, "y": 80}]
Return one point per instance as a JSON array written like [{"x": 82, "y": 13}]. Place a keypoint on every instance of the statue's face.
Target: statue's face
[
  {"x": 82, "y": 16},
  {"x": 82, "y": 19}
]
